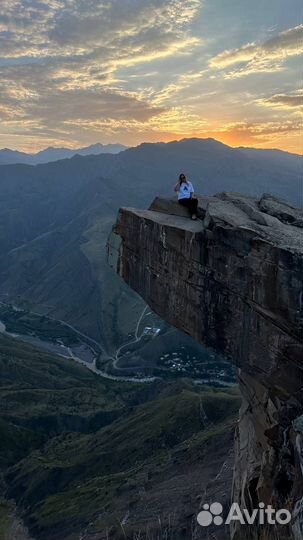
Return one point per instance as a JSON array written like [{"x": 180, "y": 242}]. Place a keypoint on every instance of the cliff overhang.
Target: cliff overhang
[{"x": 233, "y": 280}]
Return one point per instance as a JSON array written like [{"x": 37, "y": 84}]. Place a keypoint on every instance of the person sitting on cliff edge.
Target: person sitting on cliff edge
[{"x": 186, "y": 195}]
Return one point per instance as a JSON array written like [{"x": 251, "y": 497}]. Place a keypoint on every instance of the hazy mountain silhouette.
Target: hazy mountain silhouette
[
  {"x": 10, "y": 157},
  {"x": 55, "y": 218}
]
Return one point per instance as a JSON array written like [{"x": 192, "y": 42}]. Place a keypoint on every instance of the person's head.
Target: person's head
[{"x": 182, "y": 178}]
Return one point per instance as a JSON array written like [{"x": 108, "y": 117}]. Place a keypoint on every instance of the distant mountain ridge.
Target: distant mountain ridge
[
  {"x": 50, "y": 154},
  {"x": 55, "y": 219},
  {"x": 12, "y": 157}
]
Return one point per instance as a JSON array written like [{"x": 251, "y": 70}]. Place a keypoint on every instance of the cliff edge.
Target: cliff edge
[{"x": 233, "y": 280}]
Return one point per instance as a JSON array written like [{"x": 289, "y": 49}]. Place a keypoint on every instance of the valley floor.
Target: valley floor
[{"x": 144, "y": 357}]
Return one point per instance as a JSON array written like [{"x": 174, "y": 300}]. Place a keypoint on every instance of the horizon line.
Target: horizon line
[{"x": 182, "y": 139}]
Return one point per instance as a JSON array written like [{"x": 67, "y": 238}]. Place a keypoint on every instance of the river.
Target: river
[{"x": 66, "y": 352}]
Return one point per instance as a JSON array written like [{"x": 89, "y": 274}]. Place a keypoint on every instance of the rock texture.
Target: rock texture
[{"x": 234, "y": 281}]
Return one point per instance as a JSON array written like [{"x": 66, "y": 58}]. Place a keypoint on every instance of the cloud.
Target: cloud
[
  {"x": 36, "y": 91},
  {"x": 90, "y": 105},
  {"x": 289, "y": 41},
  {"x": 261, "y": 129},
  {"x": 61, "y": 59},
  {"x": 24, "y": 26},
  {"x": 279, "y": 134},
  {"x": 283, "y": 101},
  {"x": 174, "y": 121},
  {"x": 41, "y": 28},
  {"x": 230, "y": 57},
  {"x": 96, "y": 22},
  {"x": 266, "y": 57},
  {"x": 80, "y": 45},
  {"x": 74, "y": 71}
]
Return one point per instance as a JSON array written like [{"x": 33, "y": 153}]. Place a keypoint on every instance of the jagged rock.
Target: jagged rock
[
  {"x": 234, "y": 281},
  {"x": 281, "y": 209}
]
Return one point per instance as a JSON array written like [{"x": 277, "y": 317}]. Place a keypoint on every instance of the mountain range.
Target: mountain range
[
  {"x": 55, "y": 219},
  {"x": 10, "y": 157}
]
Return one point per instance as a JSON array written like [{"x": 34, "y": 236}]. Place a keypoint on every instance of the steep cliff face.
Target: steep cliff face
[{"x": 234, "y": 281}]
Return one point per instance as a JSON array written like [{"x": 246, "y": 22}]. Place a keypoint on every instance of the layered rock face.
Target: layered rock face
[{"x": 233, "y": 280}]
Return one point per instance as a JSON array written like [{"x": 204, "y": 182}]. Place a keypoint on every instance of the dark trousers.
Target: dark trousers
[{"x": 191, "y": 204}]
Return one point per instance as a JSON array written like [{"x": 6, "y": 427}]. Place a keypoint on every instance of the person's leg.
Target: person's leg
[
  {"x": 185, "y": 202},
  {"x": 193, "y": 208},
  {"x": 191, "y": 204}
]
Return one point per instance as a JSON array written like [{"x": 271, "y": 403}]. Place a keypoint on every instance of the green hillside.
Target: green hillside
[{"x": 78, "y": 451}]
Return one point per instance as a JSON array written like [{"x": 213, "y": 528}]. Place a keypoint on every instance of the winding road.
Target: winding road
[{"x": 135, "y": 340}]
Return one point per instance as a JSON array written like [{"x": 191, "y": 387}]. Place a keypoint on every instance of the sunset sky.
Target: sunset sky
[{"x": 76, "y": 72}]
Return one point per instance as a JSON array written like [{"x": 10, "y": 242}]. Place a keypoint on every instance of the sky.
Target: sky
[{"x": 77, "y": 72}]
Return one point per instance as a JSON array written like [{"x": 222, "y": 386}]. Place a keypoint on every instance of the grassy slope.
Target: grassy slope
[
  {"x": 78, "y": 450},
  {"x": 120, "y": 307},
  {"x": 94, "y": 478},
  {"x": 43, "y": 395}
]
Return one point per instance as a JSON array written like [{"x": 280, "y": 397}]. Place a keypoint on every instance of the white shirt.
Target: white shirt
[{"x": 185, "y": 190}]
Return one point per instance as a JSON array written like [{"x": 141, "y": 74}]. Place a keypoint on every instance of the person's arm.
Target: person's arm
[
  {"x": 177, "y": 187},
  {"x": 192, "y": 191}
]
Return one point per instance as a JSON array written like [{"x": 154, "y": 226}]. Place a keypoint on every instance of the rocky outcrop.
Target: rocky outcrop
[{"x": 234, "y": 281}]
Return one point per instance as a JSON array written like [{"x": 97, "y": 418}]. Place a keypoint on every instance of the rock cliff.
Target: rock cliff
[{"x": 234, "y": 281}]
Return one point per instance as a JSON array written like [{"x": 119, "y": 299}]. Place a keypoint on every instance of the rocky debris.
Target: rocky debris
[
  {"x": 234, "y": 281},
  {"x": 281, "y": 210}
]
